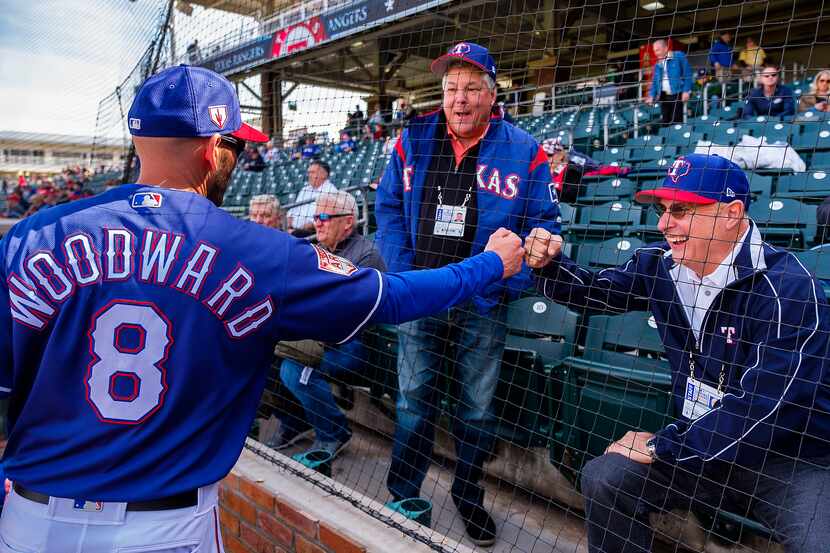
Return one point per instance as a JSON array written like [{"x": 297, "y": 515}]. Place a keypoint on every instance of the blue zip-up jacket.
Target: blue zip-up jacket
[
  {"x": 680, "y": 75},
  {"x": 514, "y": 190},
  {"x": 768, "y": 330},
  {"x": 721, "y": 53},
  {"x": 782, "y": 102}
]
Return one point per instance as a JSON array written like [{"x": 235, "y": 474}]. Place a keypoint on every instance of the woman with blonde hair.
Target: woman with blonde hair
[{"x": 819, "y": 94}]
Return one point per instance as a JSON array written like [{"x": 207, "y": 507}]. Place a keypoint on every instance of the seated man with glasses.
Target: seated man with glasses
[
  {"x": 745, "y": 329},
  {"x": 335, "y": 220},
  {"x": 770, "y": 98}
]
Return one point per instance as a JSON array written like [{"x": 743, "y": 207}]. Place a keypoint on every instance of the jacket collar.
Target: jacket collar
[{"x": 750, "y": 258}]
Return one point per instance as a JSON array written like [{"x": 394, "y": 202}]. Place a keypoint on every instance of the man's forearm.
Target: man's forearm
[{"x": 412, "y": 295}]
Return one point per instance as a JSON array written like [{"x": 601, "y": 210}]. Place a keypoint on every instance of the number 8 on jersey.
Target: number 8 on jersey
[{"x": 126, "y": 383}]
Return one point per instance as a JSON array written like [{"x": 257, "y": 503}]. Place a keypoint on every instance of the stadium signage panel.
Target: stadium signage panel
[
  {"x": 368, "y": 13},
  {"x": 249, "y": 54},
  {"x": 299, "y": 37}
]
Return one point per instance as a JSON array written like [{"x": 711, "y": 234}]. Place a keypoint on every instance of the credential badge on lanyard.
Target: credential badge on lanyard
[{"x": 451, "y": 219}]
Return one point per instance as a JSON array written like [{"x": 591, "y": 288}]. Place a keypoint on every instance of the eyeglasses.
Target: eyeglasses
[
  {"x": 677, "y": 211},
  {"x": 323, "y": 217},
  {"x": 467, "y": 92},
  {"x": 237, "y": 145}
]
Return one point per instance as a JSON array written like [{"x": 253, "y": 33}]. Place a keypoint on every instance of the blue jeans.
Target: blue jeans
[
  {"x": 476, "y": 344},
  {"x": 792, "y": 498},
  {"x": 321, "y": 412}
]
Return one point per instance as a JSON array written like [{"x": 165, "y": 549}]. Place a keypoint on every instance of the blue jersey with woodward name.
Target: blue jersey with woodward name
[{"x": 135, "y": 330}]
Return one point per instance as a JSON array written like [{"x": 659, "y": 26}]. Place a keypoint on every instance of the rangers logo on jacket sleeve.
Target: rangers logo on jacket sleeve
[{"x": 333, "y": 263}]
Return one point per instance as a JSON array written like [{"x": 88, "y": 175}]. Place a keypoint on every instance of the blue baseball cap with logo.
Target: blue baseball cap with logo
[
  {"x": 187, "y": 102},
  {"x": 701, "y": 179},
  {"x": 468, "y": 52}
]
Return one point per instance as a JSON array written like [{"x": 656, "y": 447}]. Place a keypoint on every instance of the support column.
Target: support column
[{"x": 272, "y": 121}]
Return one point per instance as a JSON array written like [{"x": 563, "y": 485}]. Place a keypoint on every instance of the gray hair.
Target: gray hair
[
  {"x": 488, "y": 80},
  {"x": 344, "y": 201},
  {"x": 266, "y": 199},
  {"x": 661, "y": 41}
]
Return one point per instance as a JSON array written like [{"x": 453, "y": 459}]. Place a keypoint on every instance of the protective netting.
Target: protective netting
[{"x": 536, "y": 401}]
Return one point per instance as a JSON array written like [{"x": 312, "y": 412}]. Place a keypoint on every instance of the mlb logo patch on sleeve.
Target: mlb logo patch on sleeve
[
  {"x": 146, "y": 199},
  {"x": 332, "y": 263}
]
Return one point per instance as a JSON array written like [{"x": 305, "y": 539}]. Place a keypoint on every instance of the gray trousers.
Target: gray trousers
[{"x": 792, "y": 498}]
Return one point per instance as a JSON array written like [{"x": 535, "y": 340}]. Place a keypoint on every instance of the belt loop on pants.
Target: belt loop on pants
[{"x": 189, "y": 498}]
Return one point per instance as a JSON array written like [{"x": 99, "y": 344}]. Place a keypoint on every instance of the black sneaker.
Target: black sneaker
[
  {"x": 283, "y": 439},
  {"x": 478, "y": 523}
]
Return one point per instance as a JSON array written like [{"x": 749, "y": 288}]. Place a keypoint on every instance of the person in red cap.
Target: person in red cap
[
  {"x": 745, "y": 329},
  {"x": 138, "y": 326}
]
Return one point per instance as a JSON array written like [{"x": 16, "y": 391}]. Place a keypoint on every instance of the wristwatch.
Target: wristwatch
[{"x": 651, "y": 447}]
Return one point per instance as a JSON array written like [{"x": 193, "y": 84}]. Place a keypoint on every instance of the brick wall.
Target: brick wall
[{"x": 253, "y": 520}]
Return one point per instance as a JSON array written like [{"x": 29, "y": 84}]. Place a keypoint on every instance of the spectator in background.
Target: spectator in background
[
  {"x": 264, "y": 209},
  {"x": 405, "y": 111},
  {"x": 389, "y": 145},
  {"x": 301, "y": 217},
  {"x": 252, "y": 161},
  {"x": 346, "y": 144},
  {"x": 671, "y": 83},
  {"x": 270, "y": 152},
  {"x": 568, "y": 166},
  {"x": 310, "y": 149},
  {"x": 720, "y": 55},
  {"x": 751, "y": 60},
  {"x": 818, "y": 97},
  {"x": 335, "y": 220},
  {"x": 194, "y": 54},
  {"x": 436, "y": 208},
  {"x": 745, "y": 328},
  {"x": 379, "y": 132},
  {"x": 376, "y": 118},
  {"x": 770, "y": 98}
]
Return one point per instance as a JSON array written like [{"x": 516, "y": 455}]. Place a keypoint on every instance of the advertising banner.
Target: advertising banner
[
  {"x": 298, "y": 37},
  {"x": 249, "y": 54}
]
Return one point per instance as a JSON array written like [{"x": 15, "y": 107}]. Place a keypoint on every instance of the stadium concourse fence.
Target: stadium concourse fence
[{"x": 569, "y": 383}]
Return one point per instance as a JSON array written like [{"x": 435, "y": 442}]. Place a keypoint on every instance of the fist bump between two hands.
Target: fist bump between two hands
[{"x": 539, "y": 248}]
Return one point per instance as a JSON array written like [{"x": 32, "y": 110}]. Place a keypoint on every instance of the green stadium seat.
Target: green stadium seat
[
  {"x": 606, "y": 191},
  {"x": 820, "y": 161},
  {"x": 615, "y": 154},
  {"x": 759, "y": 185},
  {"x": 620, "y": 383},
  {"x": 813, "y": 138},
  {"x": 784, "y": 222},
  {"x": 817, "y": 261},
  {"x": 601, "y": 221},
  {"x": 608, "y": 253},
  {"x": 651, "y": 153},
  {"x": 685, "y": 142},
  {"x": 725, "y": 135},
  {"x": 810, "y": 186}
]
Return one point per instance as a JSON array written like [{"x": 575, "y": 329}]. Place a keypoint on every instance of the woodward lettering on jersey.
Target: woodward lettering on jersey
[{"x": 156, "y": 259}]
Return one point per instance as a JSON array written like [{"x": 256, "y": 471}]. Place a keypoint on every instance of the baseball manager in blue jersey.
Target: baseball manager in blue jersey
[
  {"x": 745, "y": 328},
  {"x": 457, "y": 175},
  {"x": 124, "y": 317}
]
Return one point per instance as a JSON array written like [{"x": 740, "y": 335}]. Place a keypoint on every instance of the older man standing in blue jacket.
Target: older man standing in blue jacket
[
  {"x": 745, "y": 328},
  {"x": 671, "y": 83},
  {"x": 456, "y": 175}
]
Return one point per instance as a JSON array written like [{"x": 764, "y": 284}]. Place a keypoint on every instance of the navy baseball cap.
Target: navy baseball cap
[
  {"x": 187, "y": 102},
  {"x": 468, "y": 52},
  {"x": 701, "y": 179}
]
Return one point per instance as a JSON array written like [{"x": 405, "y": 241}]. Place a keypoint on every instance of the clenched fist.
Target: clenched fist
[
  {"x": 508, "y": 246},
  {"x": 540, "y": 247}
]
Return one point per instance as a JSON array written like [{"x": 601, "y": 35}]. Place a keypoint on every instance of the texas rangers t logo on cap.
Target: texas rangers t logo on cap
[
  {"x": 218, "y": 114},
  {"x": 460, "y": 49},
  {"x": 680, "y": 168}
]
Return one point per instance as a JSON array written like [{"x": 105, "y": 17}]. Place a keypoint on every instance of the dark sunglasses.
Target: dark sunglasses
[
  {"x": 237, "y": 145},
  {"x": 323, "y": 217},
  {"x": 678, "y": 211}
]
